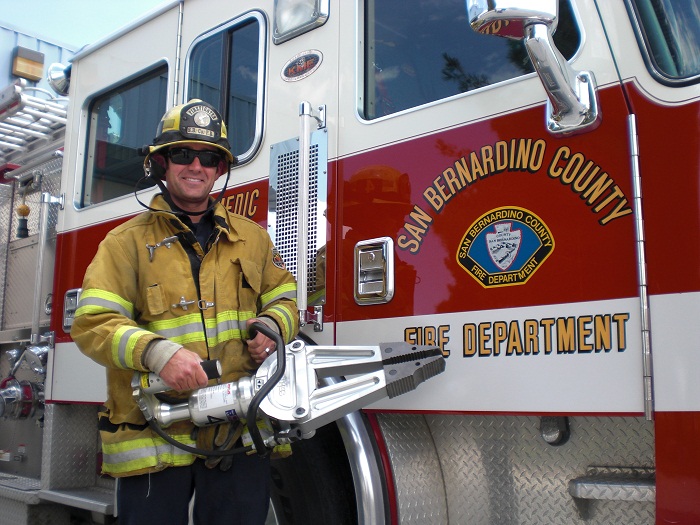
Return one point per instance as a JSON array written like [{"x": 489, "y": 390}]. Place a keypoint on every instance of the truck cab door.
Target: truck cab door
[
  {"x": 119, "y": 90},
  {"x": 514, "y": 247}
]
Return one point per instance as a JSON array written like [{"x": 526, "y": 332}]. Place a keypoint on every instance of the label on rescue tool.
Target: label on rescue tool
[{"x": 219, "y": 400}]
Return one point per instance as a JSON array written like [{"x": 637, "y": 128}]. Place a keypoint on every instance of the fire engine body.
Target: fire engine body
[{"x": 552, "y": 264}]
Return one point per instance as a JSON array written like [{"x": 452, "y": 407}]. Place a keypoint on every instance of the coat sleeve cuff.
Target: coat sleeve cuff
[
  {"x": 270, "y": 323},
  {"x": 158, "y": 353}
]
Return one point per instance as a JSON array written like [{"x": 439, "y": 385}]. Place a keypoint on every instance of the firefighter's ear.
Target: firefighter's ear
[
  {"x": 223, "y": 167},
  {"x": 159, "y": 159},
  {"x": 158, "y": 165},
  {"x": 226, "y": 165}
]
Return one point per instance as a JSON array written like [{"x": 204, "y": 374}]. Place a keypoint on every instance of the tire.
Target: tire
[{"x": 314, "y": 485}]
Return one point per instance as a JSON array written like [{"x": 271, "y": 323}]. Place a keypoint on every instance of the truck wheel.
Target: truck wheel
[{"x": 314, "y": 485}]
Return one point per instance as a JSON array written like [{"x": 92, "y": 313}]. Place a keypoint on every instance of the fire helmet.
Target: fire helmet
[{"x": 195, "y": 121}]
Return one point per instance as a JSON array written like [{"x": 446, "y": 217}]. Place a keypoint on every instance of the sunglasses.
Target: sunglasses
[{"x": 185, "y": 156}]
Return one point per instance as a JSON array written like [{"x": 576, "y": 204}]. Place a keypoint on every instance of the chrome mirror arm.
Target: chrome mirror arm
[
  {"x": 572, "y": 100},
  {"x": 572, "y": 105}
]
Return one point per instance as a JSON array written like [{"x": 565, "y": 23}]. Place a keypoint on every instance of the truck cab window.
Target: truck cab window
[
  {"x": 121, "y": 121},
  {"x": 427, "y": 52},
  {"x": 224, "y": 69},
  {"x": 669, "y": 35}
]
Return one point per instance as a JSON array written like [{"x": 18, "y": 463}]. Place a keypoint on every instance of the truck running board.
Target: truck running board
[
  {"x": 613, "y": 484},
  {"x": 92, "y": 499}
]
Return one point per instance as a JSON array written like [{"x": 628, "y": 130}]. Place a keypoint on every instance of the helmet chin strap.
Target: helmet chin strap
[{"x": 175, "y": 209}]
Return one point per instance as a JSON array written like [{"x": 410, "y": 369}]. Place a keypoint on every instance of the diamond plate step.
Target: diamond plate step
[
  {"x": 615, "y": 483},
  {"x": 93, "y": 499}
]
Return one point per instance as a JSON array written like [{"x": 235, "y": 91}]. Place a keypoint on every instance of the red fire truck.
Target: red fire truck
[{"x": 515, "y": 182}]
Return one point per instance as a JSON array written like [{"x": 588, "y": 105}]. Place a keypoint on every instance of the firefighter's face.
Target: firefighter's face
[{"x": 189, "y": 185}]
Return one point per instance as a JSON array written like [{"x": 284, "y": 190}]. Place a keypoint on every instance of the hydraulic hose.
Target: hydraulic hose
[{"x": 267, "y": 387}]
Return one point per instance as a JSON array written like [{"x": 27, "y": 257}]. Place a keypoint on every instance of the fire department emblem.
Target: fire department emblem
[
  {"x": 277, "y": 259},
  {"x": 505, "y": 247},
  {"x": 202, "y": 119}
]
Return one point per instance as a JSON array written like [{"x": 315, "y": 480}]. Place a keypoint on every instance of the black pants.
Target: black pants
[{"x": 239, "y": 496}]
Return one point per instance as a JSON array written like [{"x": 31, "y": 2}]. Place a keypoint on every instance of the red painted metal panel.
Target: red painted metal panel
[
  {"x": 430, "y": 212},
  {"x": 677, "y": 467},
  {"x": 669, "y": 152}
]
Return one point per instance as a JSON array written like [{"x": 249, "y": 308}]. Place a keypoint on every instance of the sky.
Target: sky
[{"x": 73, "y": 23}]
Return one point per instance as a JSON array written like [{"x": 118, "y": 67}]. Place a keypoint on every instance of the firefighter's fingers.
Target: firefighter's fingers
[
  {"x": 260, "y": 353},
  {"x": 259, "y": 344},
  {"x": 258, "y": 357},
  {"x": 260, "y": 340}
]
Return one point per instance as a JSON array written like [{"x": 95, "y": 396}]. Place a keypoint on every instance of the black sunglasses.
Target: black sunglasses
[{"x": 185, "y": 156}]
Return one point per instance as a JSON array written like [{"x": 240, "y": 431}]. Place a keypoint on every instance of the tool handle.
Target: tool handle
[
  {"x": 252, "y": 331},
  {"x": 212, "y": 367}
]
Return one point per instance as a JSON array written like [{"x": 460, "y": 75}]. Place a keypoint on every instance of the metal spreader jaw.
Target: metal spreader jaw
[{"x": 304, "y": 401}]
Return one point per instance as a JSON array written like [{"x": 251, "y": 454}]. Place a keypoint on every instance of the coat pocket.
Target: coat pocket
[{"x": 155, "y": 300}]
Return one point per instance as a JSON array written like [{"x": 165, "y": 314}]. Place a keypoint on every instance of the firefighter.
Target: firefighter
[{"x": 175, "y": 285}]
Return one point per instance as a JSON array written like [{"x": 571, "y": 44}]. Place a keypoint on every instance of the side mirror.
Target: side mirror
[
  {"x": 573, "y": 105},
  {"x": 510, "y": 18},
  {"x": 58, "y": 77}
]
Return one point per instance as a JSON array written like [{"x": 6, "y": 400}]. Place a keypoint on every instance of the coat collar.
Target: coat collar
[{"x": 222, "y": 219}]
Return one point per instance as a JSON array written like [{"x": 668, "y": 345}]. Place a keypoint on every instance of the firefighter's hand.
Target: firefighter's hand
[
  {"x": 184, "y": 371},
  {"x": 261, "y": 346}
]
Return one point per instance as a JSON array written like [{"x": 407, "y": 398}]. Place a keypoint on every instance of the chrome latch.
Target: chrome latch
[
  {"x": 70, "y": 305},
  {"x": 374, "y": 271}
]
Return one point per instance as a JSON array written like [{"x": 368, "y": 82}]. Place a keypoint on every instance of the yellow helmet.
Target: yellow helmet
[{"x": 195, "y": 121}]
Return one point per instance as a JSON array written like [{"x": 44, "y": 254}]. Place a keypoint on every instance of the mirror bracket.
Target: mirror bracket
[{"x": 572, "y": 105}]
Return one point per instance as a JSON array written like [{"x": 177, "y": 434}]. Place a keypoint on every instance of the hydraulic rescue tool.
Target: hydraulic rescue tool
[{"x": 295, "y": 392}]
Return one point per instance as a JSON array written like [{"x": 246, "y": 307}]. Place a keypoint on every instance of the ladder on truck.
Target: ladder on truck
[{"x": 28, "y": 122}]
